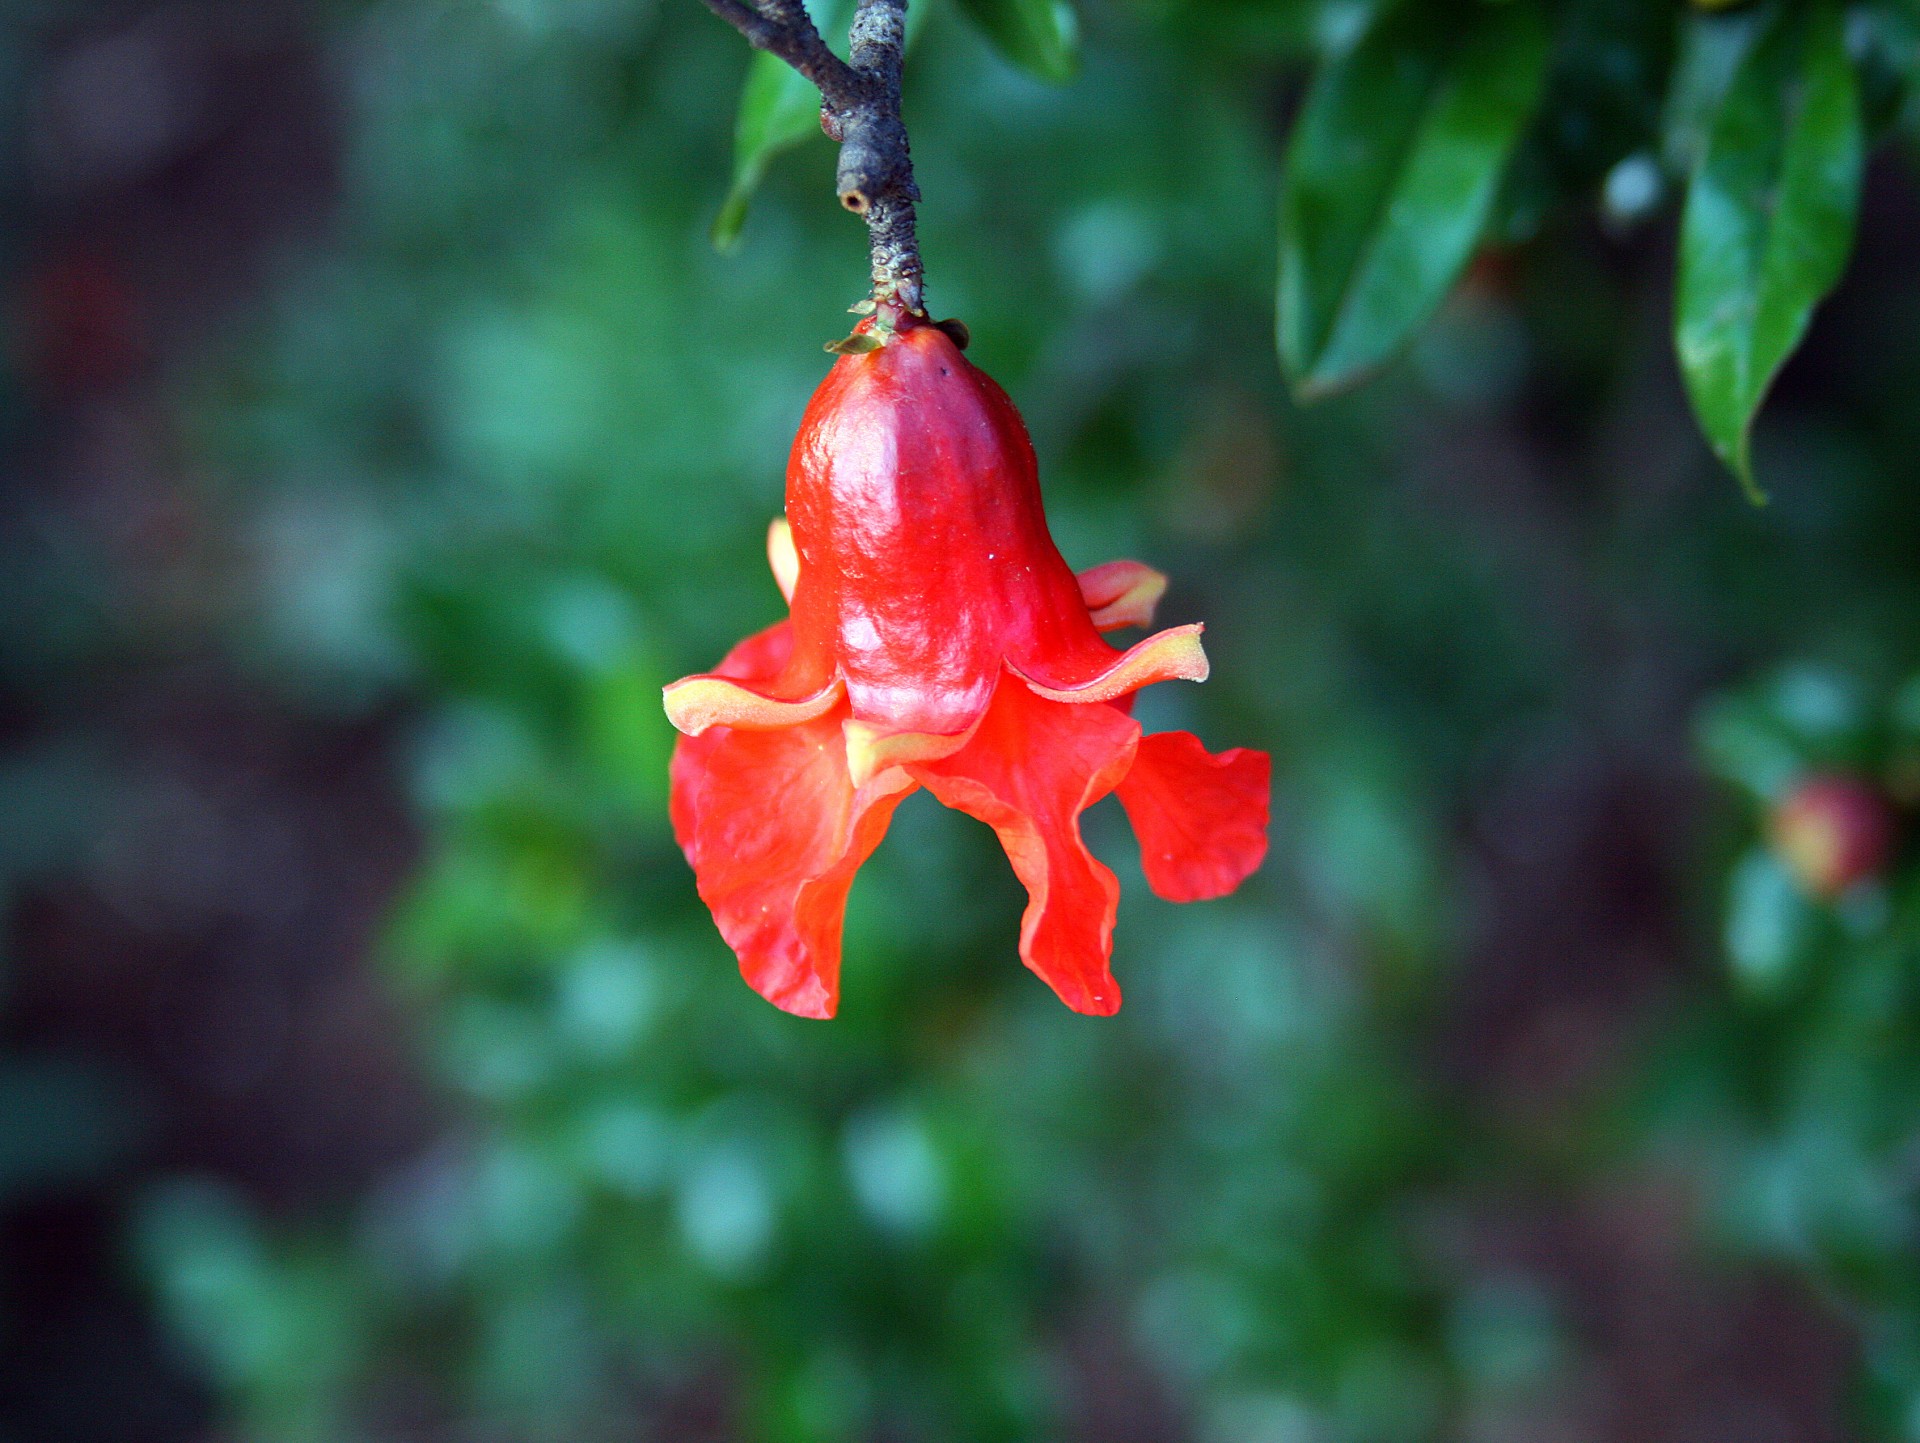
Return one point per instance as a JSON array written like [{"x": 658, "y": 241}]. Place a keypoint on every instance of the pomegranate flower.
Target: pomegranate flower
[{"x": 938, "y": 640}]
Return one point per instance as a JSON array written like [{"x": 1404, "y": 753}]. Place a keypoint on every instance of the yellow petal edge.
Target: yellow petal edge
[
  {"x": 1171, "y": 655},
  {"x": 695, "y": 703},
  {"x": 782, "y": 558}
]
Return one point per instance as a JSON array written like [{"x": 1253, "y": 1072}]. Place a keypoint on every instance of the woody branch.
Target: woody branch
[{"x": 859, "y": 108}]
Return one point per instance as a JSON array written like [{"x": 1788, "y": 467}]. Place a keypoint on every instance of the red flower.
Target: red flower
[{"x": 938, "y": 640}]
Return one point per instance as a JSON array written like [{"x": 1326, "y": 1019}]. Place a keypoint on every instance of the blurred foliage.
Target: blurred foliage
[
  {"x": 496, "y": 458},
  {"x": 1802, "y": 1099}
]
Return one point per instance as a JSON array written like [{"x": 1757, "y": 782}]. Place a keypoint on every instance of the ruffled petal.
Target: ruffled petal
[
  {"x": 1201, "y": 819},
  {"x": 1121, "y": 593},
  {"x": 1171, "y": 655},
  {"x": 759, "y": 657},
  {"x": 775, "y": 831},
  {"x": 1028, "y": 772}
]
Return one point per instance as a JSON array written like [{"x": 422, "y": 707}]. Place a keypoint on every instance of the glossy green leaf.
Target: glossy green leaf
[
  {"x": 1769, "y": 222},
  {"x": 1390, "y": 177},
  {"x": 779, "y": 108},
  {"x": 1040, "y": 36},
  {"x": 1710, "y": 51}
]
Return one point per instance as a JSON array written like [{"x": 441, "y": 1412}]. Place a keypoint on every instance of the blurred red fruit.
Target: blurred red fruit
[{"x": 1832, "y": 831}]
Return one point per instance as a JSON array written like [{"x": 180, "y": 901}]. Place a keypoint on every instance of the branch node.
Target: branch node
[{"x": 859, "y": 110}]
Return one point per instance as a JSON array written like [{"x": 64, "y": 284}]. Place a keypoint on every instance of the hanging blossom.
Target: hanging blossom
[{"x": 937, "y": 639}]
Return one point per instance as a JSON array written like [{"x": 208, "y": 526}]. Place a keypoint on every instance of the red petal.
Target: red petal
[
  {"x": 1121, "y": 593},
  {"x": 775, "y": 831},
  {"x": 1029, "y": 771},
  {"x": 761, "y": 657},
  {"x": 1201, "y": 819}
]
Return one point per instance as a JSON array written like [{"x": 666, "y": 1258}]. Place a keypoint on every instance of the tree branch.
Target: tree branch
[
  {"x": 860, "y": 108},
  {"x": 783, "y": 28}
]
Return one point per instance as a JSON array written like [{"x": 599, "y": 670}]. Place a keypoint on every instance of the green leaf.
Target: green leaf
[
  {"x": 1391, "y": 174},
  {"x": 1769, "y": 924},
  {"x": 1768, "y": 224},
  {"x": 1040, "y": 36},
  {"x": 779, "y": 108},
  {"x": 1711, "y": 49},
  {"x": 1745, "y": 743}
]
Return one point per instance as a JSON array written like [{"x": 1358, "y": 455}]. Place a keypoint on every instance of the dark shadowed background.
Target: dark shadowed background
[{"x": 382, "y": 429}]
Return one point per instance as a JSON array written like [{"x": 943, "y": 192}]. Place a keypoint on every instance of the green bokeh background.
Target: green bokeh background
[{"x": 388, "y": 431}]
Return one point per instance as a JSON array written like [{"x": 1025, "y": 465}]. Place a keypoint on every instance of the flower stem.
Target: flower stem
[{"x": 859, "y": 108}]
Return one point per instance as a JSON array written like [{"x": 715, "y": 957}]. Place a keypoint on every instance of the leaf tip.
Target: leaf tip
[
  {"x": 1737, "y": 456},
  {"x": 729, "y": 223},
  {"x": 1316, "y": 384}
]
